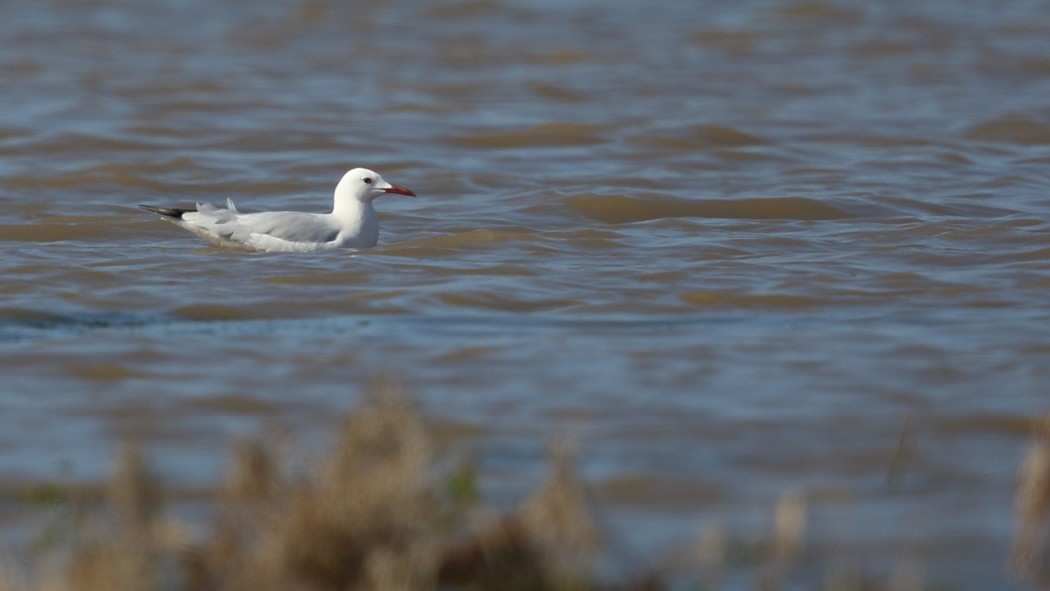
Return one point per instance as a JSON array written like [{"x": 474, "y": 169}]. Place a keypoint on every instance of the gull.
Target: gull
[{"x": 352, "y": 223}]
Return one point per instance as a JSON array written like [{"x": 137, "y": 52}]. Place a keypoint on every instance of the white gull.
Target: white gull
[{"x": 352, "y": 223}]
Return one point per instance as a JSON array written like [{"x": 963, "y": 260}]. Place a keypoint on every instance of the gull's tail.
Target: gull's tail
[{"x": 171, "y": 212}]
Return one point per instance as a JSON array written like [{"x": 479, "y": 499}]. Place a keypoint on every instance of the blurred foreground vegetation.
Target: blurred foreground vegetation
[{"x": 380, "y": 511}]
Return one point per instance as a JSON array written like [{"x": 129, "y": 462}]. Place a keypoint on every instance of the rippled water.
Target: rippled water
[{"x": 732, "y": 249}]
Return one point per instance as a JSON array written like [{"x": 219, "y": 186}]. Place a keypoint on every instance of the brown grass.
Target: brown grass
[
  {"x": 373, "y": 513},
  {"x": 1032, "y": 507},
  {"x": 376, "y": 512}
]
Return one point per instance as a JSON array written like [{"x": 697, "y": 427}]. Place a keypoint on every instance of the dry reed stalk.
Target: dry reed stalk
[
  {"x": 135, "y": 493},
  {"x": 1032, "y": 505},
  {"x": 786, "y": 540},
  {"x": 711, "y": 551},
  {"x": 248, "y": 502},
  {"x": 557, "y": 517},
  {"x": 909, "y": 575},
  {"x": 126, "y": 559},
  {"x": 789, "y": 528},
  {"x": 8, "y": 581},
  {"x": 365, "y": 519},
  {"x": 544, "y": 545},
  {"x": 253, "y": 474}
]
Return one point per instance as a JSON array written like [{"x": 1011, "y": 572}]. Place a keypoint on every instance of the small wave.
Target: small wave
[
  {"x": 58, "y": 231},
  {"x": 210, "y": 312},
  {"x": 704, "y": 298},
  {"x": 455, "y": 242},
  {"x": 104, "y": 372},
  {"x": 819, "y": 12},
  {"x": 135, "y": 175},
  {"x": 1011, "y": 129},
  {"x": 84, "y": 143},
  {"x": 44, "y": 233},
  {"x": 699, "y": 137},
  {"x": 490, "y": 300},
  {"x": 558, "y": 133},
  {"x": 621, "y": 209},
  {"x": 17, "y": 324}
]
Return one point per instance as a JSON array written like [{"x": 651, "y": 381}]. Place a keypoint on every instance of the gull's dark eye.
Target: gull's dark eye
[{"x": 368, "y": 180}]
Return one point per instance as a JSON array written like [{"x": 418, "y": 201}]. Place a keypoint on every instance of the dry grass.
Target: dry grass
[
  {"x": 376, "y": 513},
  {"x": 1032, "y": 507},
  {"x": 373, "y": 513}
]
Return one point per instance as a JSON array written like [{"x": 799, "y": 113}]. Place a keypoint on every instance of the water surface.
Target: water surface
[{"x": 732, "y": 250}]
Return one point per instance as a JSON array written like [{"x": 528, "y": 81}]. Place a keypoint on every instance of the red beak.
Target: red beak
[{"x": 399, "y": 191}]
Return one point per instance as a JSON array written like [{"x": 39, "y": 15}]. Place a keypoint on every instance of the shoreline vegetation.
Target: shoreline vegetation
[{"x": 380, "y": 510}]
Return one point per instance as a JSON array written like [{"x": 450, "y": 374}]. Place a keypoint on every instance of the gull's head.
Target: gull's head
[{"x": 365, "y": 185}]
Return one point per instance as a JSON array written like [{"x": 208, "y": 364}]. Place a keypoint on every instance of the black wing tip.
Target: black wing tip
[{"x": 171, "y": 212}]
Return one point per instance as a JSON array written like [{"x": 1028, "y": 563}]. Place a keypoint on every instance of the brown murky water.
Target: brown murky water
[{"x": 732, "y": 249}]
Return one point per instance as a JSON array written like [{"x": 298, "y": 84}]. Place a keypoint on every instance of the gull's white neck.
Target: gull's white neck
[
  {"x": 351, "y": 209},
  {"x": 357, "y": 219}
]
